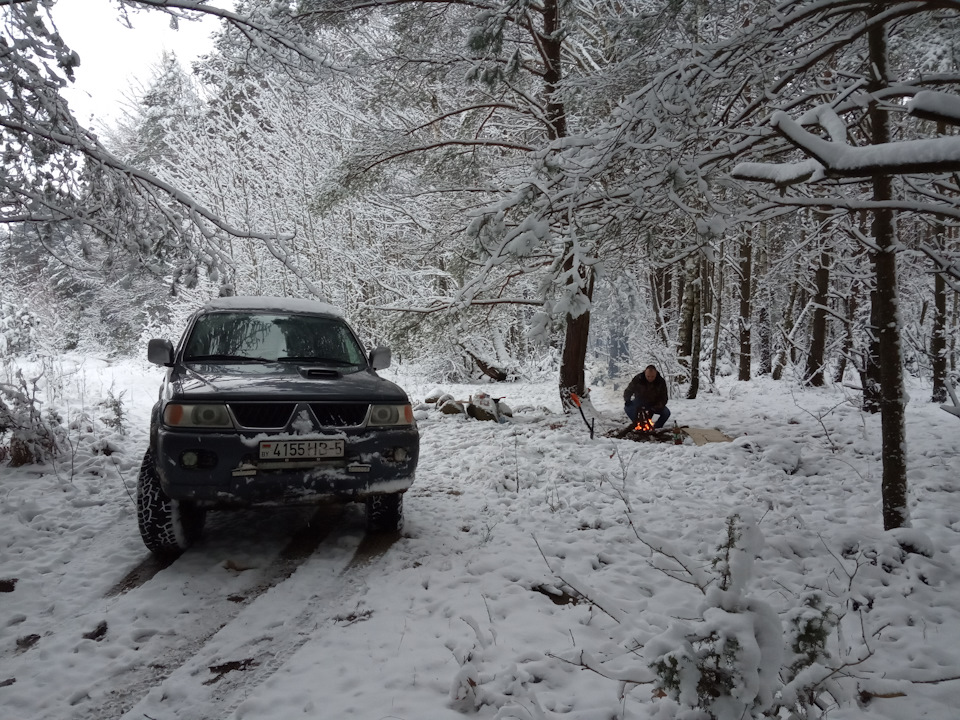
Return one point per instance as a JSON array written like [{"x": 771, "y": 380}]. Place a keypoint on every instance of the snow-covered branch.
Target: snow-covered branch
[
  {"x": 839, "y": 159},
  {"x": 935, "y": 106},
  {"x": 779, "y": 174}
]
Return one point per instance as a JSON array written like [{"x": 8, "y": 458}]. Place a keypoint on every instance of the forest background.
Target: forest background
[{"x": 747, "y": 188}]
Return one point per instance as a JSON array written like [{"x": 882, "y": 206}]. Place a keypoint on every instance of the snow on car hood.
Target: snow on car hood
[{"x": 275, "y": 381}]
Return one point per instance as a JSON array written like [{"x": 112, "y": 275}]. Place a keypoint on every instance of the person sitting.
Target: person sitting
[{"x": 647, "y": 391}]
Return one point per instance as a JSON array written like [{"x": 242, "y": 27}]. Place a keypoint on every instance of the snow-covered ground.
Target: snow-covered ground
[{"x": 539, "y": 574}]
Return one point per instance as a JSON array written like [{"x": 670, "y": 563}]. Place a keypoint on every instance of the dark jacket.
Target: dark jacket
[{"x": 651, "y": 394}]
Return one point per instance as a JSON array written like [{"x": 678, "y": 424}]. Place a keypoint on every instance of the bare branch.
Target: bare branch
[
  {"x": 251, "y": 28},
  {"x": 447, "y": 143},
  {"x": 454, "y": 305}
]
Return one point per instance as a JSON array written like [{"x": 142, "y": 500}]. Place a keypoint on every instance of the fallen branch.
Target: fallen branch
[{"x": 955, "y": 408}]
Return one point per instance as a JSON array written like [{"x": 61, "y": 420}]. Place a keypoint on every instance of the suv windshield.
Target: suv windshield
[{"x": 272, "y": 337}]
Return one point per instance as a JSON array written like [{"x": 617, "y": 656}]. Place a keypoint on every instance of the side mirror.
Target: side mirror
[
  {"x": 380, "y": 358},
  {"x": 160, "y": 352}
]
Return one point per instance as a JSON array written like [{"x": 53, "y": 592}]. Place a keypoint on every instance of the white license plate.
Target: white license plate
[{"x": 300, "y": 449}]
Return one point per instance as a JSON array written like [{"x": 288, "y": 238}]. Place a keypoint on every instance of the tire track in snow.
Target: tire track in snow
[
  {"x": 321, "y": 528},
  {"x": 246, "y": 652},
  {"x": 166, "y": 615}
]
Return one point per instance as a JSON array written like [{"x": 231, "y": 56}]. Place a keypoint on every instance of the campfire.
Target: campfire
[
  {"x": 644, "y": 423},
  {"x": 644, "y": 431}
]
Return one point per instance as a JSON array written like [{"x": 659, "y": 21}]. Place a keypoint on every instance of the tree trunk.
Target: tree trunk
[
  {"x": 685, "y": 332},
  {"x": 572, "y": 378},
  {"x": 695, "y": 289},
  {"x": 818, "y": 340},
  {"x": 762, "y": 336},
  {"x": 573, "y": 359},
  {"x": 765, "y": 357},
  {"x": 656, "y": 299},
  {"x": 803, "y": 301},
  {"x": 746, "y": 272},
  {"x": 677, "y": 289},
  {"x": 788, "y": 322},
  {"x": 893, "y": 396},
  {"x": 870, "y": 372},
  {"x": 718, "y": 294},
  {"x": 552, "y": 43},
  {"x": 938, "y": 334},
  {"x": 870, "y": 378},
  {"x": 938, "y": 339},
  {"x": 847, "y": 348},
  {"x": 953, "y": 336}
]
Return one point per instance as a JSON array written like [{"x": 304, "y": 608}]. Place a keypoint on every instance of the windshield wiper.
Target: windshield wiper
[
  {"x": 227, "y": 358},
  {"x": 314, "y": 359}
]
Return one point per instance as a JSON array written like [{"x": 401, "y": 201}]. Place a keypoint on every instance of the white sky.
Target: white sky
[{"x": 116, "y": 60}]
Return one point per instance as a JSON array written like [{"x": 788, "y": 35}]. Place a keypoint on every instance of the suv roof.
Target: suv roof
[{"x": 244, "y": 302}]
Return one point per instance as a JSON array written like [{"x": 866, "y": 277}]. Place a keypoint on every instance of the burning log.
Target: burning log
[
  {"x": 644, "y": 423},
  {"x": 630, "y": 432},
  {"x": 643, "y": 430}
]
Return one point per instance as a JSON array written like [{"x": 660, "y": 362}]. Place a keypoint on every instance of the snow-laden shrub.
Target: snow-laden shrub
[
  {"x": 27, "y": 433},
  {"x": 739, "y": 659},
  {"x": 726, "y": 662},
  {"x": 38, "y": 424},
  {"x": 115, "y": 414},
  {"x": 808, "y": 627},
  {"x": 18, "y": 328},
  {"x": 732, "y": 657}
]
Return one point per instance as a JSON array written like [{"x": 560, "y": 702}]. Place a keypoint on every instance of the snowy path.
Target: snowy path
[{"x": 525, "y": 554}]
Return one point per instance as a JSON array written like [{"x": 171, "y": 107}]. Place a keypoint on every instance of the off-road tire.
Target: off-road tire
[
  {"x": 167, "y": 526},
  {"x": 385, "y": 513}
]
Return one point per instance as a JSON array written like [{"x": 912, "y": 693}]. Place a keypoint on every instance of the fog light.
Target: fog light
[
  {"x": 189, "y": 459},
  {"x": 399, "y": 454}
]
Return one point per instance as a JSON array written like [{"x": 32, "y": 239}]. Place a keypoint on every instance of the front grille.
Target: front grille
[
  {"x": 263, "y": 415},
  {"x": 339, "y": 414}
]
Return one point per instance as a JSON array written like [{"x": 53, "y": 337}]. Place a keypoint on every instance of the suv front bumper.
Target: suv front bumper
[{"x": 229, "y": 473}]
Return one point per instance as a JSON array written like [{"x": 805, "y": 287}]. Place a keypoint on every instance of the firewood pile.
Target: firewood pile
[{"x": 480, "y": 406}]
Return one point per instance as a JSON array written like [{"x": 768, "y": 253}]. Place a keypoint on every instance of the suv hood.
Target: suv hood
[{"x": 275, "y": 381}]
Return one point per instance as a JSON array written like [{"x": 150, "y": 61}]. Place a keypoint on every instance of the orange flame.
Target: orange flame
[
  {"x": 644, "y": 425},
  {"x": 644, "y": 421}
]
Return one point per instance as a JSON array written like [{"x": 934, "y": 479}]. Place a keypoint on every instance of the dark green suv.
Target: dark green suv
[{"x": 271, "y": 401}]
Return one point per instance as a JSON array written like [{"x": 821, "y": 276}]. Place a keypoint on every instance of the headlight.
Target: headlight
[
  {"x": 204, "y": 416},
  {"x": 384, "y": 415}
]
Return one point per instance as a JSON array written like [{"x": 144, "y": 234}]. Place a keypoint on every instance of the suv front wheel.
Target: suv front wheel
[
  {"x": 167, "y": 526},
  {"x": 385, "y": 512}
]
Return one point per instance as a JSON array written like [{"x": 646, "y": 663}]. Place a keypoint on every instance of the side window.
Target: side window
[{"x": 352, "y": 351}]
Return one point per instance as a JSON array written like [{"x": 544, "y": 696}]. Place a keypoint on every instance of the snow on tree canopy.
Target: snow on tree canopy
[{"x": 530, "y": 232}]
